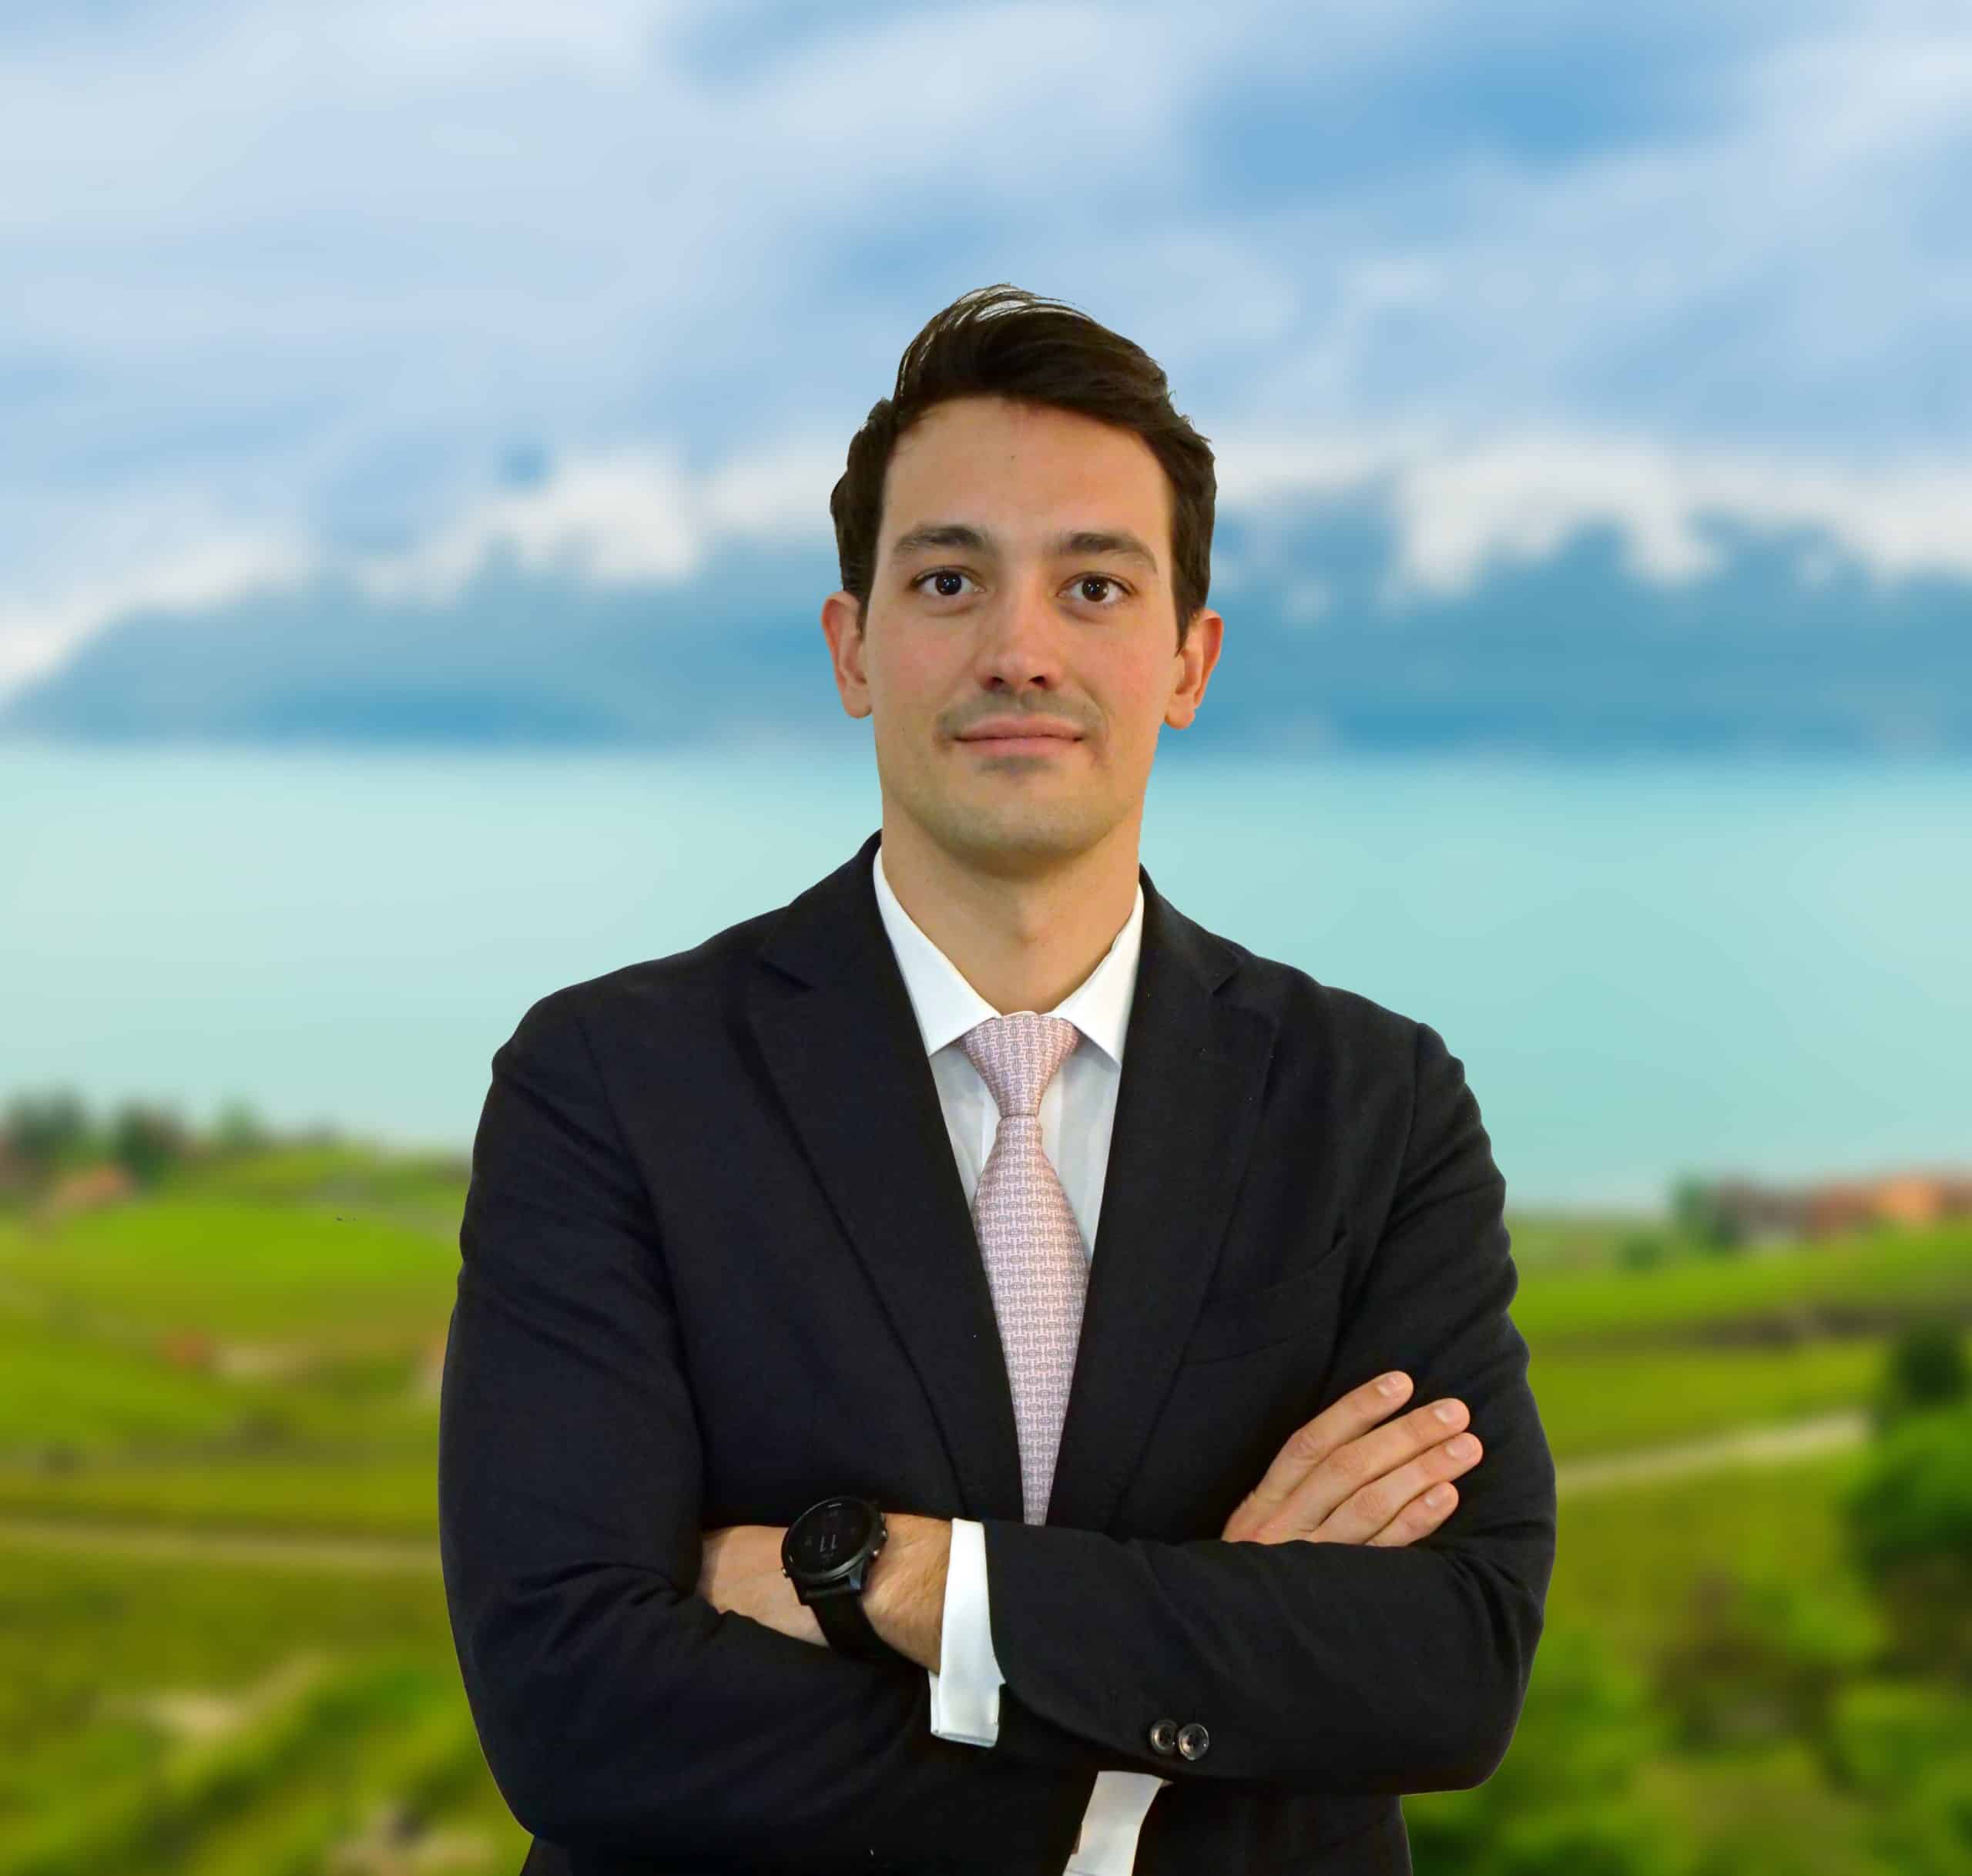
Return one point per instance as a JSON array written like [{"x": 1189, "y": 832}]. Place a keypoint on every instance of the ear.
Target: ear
[
  {"x": 842, "y": 620},
  {"x": 1201, "y": 654}
]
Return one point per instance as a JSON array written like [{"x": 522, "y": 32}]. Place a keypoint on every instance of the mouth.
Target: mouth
[{"x": 1020, "y": 745}]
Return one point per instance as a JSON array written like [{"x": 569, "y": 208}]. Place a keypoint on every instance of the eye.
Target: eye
[
  {"x": 1081, "y": 579},
  {"x": 941, "y": 573}
]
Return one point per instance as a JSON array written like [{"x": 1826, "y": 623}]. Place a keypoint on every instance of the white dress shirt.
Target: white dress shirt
[{"x": 1077, "y": 1112}]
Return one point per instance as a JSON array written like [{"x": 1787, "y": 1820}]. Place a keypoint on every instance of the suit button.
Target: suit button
[
  {"x": 1193, "y": 1740},
  {"x": 1163, "y": 1737}
]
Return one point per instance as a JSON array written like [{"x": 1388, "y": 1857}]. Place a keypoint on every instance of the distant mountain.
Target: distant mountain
[{"x": 1574, "y": 655}]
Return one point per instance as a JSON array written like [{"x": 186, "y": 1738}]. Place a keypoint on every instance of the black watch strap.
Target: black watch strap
[
  {"x": 817, "y": 1544},
  {"x": 847, "y": 1626}
]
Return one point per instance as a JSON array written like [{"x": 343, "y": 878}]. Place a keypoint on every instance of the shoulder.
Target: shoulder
[
  {"x": 678, "y": 995},
  {"x": 1348, "y": 1050},
  {"x": 1353, "y": 1033}
]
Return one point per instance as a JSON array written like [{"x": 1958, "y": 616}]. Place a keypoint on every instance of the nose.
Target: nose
[{"x": 1020, "y": 638}]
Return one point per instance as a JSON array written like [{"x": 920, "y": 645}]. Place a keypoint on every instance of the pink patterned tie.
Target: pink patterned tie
[{"x": 1036, "y": 1264}]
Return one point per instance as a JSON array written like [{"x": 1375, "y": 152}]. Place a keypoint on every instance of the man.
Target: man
[{"x": 912, "y": 1401}]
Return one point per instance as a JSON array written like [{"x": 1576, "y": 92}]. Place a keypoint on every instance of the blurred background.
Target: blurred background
[{"x": 417, "y": 425}]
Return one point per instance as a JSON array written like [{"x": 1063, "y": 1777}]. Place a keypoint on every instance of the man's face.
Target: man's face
[{"x": 1015, "y": 621}]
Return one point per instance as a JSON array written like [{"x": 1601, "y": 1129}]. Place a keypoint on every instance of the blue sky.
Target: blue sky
[{"x": 380, "y": 291}]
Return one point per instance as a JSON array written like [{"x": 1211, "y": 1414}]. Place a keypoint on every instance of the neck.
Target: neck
[{"x": 1023, "y": 940}]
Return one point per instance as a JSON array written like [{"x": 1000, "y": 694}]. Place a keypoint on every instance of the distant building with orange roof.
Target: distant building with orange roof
[{"x": 1830, "y": 1208}]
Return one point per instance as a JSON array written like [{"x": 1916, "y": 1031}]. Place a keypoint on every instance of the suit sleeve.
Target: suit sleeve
[
  {"x": 1324, "y": 1668},
  {"x": 618, "y": 1709},
  {"x": 965, "y": 1704}
]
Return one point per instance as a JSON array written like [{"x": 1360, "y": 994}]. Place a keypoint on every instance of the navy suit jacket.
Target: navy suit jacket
[{"x": 717, "y": 1264}]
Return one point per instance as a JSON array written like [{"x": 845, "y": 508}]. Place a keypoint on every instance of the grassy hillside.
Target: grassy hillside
[{"x": 251, "y": 1346}]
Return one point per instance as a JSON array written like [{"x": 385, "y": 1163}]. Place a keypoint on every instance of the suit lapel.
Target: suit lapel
[
  {"x": 1187, "y": 1108},
  {"x": 837, "y": 1031}
]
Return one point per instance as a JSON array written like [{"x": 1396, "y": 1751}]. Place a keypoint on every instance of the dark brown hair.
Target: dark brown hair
[{"x": 1003, "y": 341}]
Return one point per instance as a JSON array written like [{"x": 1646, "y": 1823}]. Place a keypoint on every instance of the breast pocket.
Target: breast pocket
[{"x": 1235, "y": 1322}]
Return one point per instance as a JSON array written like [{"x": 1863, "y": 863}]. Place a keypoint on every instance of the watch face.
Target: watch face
[{"x": 828, "y": 1537}]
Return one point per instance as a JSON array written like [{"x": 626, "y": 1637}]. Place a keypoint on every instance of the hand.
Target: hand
[
  {"x": 740, "y": 1574},
  {"x": 1335, "y": 1482}
]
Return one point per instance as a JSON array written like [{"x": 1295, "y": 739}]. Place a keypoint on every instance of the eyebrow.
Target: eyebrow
[{"x": 1117, "y": 541}]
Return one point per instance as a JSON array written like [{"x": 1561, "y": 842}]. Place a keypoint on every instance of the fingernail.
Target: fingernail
[
  {"x": 1437, "y": 1495},
  {"x": 1446, "y": 1412},
  {"x": 1390, "y": 1383}
]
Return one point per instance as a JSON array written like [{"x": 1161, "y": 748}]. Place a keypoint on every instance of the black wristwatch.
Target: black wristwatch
[{"x": 825, "y": 1554}]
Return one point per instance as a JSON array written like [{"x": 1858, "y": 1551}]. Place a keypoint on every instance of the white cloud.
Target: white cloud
[
  {"x": 310, "y": 271},
  {"x": 1459, "y": 508},
  {"x": 36, "y": 636},
  {"x": 629, "y": 518},
  {"x": 1522, "y": 498},
  {"x": 1462, "y": 505},
  {"x": 622, "y": 519}
]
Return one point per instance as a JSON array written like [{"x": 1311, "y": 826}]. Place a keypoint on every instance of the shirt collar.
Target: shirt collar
[{"x": 947, "y": 1006}]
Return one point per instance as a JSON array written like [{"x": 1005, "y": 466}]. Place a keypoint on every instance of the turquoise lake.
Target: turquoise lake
[{"x": 1649, "y": 967}]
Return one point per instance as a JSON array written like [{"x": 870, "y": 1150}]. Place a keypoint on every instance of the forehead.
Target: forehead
[{"x": 1030, "y": 467}]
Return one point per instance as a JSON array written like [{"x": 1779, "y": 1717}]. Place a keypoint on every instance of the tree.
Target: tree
[
  {"x": 1907, "y": 1518},
  {"x": 1565, "y": 1801},
  {"x": 1927, "y": 1368},
  {"x": 1698, "y": 1214},
  {"x": 1753, "y": 1659},
  {"x": 147, "y": 1141},
  {"x": 47, "y": 1131}
]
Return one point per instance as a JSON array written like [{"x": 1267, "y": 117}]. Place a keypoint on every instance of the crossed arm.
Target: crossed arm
[
  {"x": 1342, "y": 1479},
  {"x": 619, "y": 1708}
]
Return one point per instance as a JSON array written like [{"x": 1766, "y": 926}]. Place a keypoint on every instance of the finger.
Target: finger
[
  {"x": 1361, "y": 1462},
  {"x": 1308, "y": 1445},
  {"x": 1418, "y": 1518},
  {"x": 1360, "y": 1466},
  {"x": 1373, "y": 1507}
]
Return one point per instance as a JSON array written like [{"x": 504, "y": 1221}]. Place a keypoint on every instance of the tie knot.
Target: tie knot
[{"x": 1016, "y": 1056}]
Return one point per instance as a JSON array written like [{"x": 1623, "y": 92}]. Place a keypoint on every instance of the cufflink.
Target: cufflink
[
  {"x": 1193, "y": 1740},
  {"x": 1163, "y": 1737}
]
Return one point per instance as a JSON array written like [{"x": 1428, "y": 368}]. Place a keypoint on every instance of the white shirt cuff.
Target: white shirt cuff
[
  {"x": 965, "y": 1692},
  {"x": 1112, "y": 1824}
]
